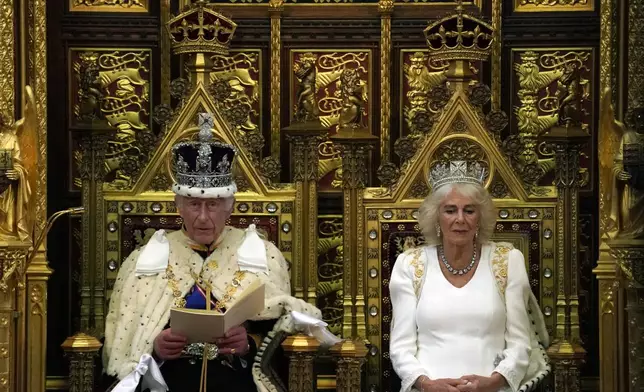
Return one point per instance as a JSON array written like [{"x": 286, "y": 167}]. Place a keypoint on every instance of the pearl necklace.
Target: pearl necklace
[{"x": 456, "y": 271}]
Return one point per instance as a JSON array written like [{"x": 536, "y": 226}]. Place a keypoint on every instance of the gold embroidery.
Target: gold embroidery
[
  {"x": 213, "y": 264},
  {"x": 419, "y": 270},
  {"x": 179, "y": 301},
  {"x": 500, "y": 267},
  {"x": 231, "y": 289}
]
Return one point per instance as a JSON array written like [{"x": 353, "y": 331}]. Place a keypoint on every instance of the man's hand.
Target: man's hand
[
  {"x": 474, "y": 383},
  {"x": 168, "y": 345},
  {"x": 235, "y": 342}
]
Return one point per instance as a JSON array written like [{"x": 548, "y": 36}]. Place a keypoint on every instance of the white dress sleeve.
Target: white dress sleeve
[
  {"x": 515, "y": 358},
  {"x": 403, "y": 340}
]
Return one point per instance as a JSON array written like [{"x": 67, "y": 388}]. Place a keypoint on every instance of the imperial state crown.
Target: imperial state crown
[{"x": 204, "y": 168}]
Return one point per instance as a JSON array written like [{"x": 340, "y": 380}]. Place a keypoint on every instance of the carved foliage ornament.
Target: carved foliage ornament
[
  {"x": 111, "y": 90},
  {"x": 553, "y": 5},
  {"x": 331, "y": 87},
  {"x": 109, "y": 5},
  {"x": 235, "y": 86},
  {"x": 420, "y": 103},
  {"x": 553, "y": 89},
  {"x": 330, "y": 271}
]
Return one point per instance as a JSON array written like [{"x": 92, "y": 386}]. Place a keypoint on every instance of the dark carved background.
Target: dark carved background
[{"x": 103, "y": 30}]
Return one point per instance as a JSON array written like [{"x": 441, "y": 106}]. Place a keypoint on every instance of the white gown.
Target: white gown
[{"x": 451, "y": 332}]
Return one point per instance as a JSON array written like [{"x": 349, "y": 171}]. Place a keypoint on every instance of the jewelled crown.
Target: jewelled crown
[
  {"x": 456, "y": 172},
  {"x": 203, "y": 168},
  {"x": 459, "y": 37},
  {"x": 201, "y": 30}
]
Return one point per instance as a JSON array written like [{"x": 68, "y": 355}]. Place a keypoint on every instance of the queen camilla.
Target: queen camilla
[{"x": 464, "y": 317}]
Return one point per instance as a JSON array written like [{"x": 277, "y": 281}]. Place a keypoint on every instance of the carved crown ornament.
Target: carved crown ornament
[
  {"x": 459, "y": 37},
  {"x": 200, "y": 29}
]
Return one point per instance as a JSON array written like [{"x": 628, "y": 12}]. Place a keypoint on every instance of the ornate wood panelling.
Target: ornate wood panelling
[
  {"x": 7, "y": 66},
  {"x": 330, "y": 271},
  {"x": 236, "y": 82},
  {"x": 550, "y": 87},
  {"x": 553, "y": 5},
  {"x": 267, "y": 51},
  {"x": 636, "y": 53},
  {"x": 331, "y": 69},
  {"x": 109, "y": 6},
  {"x": 110, "y": 88}
]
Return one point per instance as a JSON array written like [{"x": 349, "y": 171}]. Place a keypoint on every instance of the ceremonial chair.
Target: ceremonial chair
[
  {"x": 126, "y": 220},
  {"x": 391, "y": 220}
]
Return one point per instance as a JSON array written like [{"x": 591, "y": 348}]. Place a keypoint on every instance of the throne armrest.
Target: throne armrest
[
  {"x": 82, "y": 351},
  {"x": 302, "y": 350}
]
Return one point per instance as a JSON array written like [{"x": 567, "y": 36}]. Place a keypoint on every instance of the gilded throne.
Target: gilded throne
[{"x": 130, "y": 208}]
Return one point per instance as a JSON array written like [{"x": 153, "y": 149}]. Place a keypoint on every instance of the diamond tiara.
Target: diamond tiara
[{"x": 456, "y": 172}]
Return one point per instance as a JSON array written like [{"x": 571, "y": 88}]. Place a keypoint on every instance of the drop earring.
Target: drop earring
[
  {"x": 438, "y": 230},
  {"x": 476, "y": 235}
]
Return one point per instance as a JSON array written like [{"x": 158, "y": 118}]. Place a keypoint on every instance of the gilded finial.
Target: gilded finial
[
  {"x": 201, "y": 30},
  {"x": 459, "y": 37},
  {"x": 459, "y": 7},
  {"x": 206, "y": 123}
]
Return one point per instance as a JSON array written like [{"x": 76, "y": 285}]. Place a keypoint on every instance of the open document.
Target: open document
[{"x": 203, "y": 326}]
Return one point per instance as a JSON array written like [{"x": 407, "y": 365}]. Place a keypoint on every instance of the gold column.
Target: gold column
[
  {"x": 386, "y": 8},
  {"x": 13, "y": 371},
  {"x": 85, "y": 172},
  {"x": 304, "y": 139},
  {"x": 566, "y": 351},
  {"x": 100, "y": 140},
  {"x": 7, "y": 344},
  {"x": 275, "y": 8},
  {"x": 7, "y": 70},
  {"x": 38, "y": 271},
  {"x": 166, "y": 53},
  {"x": 354, "y": 145},
  {"x": 81, "y": 350},
  {"x": 37, "y": 66},
  {"x": 630, "y": 255},
  {"x": 612, "y": 350},
  {"x": 301, "y": 350},
  {"x": 349, "y": 356},
  {"x": 92, "y": 282},
  {"x": 611, "y": 322},
  {"x": 497, "y": 8},
  {"x": 12, "y": 359}
]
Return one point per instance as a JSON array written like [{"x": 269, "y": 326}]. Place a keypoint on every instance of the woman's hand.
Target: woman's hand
[
  {"x": 439, "y": 385},
  {"x": 474, "y": 383},
  {"x": 235, "y": 342}
]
